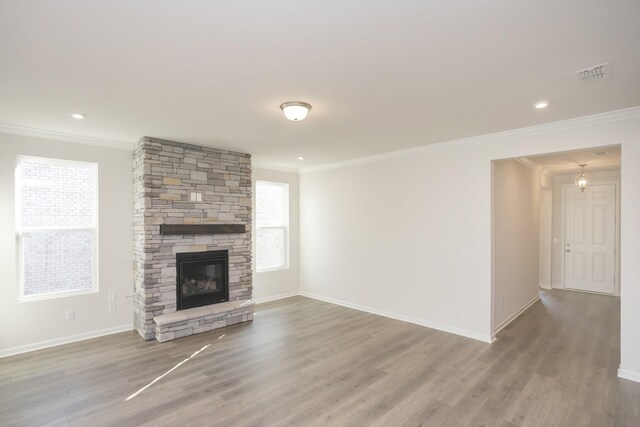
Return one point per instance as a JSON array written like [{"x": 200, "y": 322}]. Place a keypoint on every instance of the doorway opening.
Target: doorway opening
[{"x": 547, "y": 233}]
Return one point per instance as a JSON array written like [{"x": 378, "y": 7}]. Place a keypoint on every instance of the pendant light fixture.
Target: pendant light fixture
[
  {"x": 581, "y": 180},
  {"x": 295, "y": 111}
]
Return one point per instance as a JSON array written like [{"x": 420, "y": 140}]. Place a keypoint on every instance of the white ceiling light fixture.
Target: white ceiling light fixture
[
  {"x": 78, "y": 116},
  {"x": 295, "y": 111},
  {"x": 541, "y": 104},
  {"x": 581, "y": 180},
  {"x": 300, "y": 157}
]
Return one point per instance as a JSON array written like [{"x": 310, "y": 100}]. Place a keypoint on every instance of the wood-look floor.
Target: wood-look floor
[{"x": 305, "y": 362}]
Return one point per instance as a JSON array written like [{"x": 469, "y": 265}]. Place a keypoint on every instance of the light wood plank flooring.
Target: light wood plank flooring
[{"x": 305, "y": 362}]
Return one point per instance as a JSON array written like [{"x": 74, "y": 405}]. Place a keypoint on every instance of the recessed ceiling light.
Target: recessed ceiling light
[
  {"x": 78, "y": 116},
  {"x": 295, "y": 111},
  {"x": 541, "y": 104},
  {"x": 300, "y": 158}
]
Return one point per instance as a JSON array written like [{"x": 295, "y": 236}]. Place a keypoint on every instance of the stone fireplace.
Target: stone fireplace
[{"x": 192, "y": 242}]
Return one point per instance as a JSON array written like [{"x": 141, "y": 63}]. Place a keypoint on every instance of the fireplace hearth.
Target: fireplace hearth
[{"x": 202, "y": 278}]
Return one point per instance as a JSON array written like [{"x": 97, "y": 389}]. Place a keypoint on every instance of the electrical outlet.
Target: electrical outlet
[
  {"x": 111, "y": 308},
  {"x": 70, "y": 314},
  {"x": 501, "y": 303},
  {"x": 111, "y": 296}
]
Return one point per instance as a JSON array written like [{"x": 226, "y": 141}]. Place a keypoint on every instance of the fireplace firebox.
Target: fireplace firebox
[{"x": 202, "y": 278}]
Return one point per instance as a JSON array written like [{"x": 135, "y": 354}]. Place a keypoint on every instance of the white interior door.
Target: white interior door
[{"x": 590, "y": 238}]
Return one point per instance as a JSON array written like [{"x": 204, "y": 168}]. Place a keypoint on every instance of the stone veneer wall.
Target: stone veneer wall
[{"x": 165, "y": 173}]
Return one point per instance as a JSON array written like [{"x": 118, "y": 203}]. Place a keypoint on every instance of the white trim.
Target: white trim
[
  {"x": 270, "y": 269},
  {"x": 64, "y": 340},
  {"x": 273, "y": 167},
  {"x": 579, "y": 122},
  {"x": 595, "y": 119},
  {"x": 275, "y": 297},
  {"x": 65, "y": 137},
  {"x": 515, "y": 315},
  {"x": 629, "y": 375},
  {"x": 543, "y": 286},
  {"x": 432, "y": 325},
  {"x": 528, "y": 163}
]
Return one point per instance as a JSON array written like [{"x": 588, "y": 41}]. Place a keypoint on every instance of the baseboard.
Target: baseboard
[
  {"x": 432, "y": 325},
  {"x": 65, "y": 340},
  {"x": 275, "y": 297},
  {"x": 515, "y": 315},
  {"x": 628, "y": 375},
  {"x": 543, "y": 286}
]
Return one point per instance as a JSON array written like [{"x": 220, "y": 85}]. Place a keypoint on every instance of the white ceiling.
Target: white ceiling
[
  {"x": 568, "y": 162},
  {"x": 381, "y": 75}
]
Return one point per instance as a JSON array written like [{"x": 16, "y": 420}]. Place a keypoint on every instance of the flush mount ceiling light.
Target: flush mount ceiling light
[
  {"x": 295, "y": 111},
  {"x": 78, "y": 116},
  {"x": 541, "y": 104},
  {"x": 581, "y": 180},
  {"x": 300, "y": 157}
]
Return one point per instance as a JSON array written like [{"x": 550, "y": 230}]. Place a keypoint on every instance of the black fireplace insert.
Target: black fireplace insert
[{"x": 202, "y": 278}]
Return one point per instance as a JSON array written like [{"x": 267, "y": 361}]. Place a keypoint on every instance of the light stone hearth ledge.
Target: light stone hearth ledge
[{"x": 202, "y": 319}]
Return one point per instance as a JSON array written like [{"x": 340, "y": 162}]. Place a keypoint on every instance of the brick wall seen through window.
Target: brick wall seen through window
[{"x": 56, "y": 227}]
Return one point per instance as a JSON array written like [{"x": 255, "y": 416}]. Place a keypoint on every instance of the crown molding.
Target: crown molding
[
  {"x": 65, "y": 137},
  {"x": 528, "y": 163},
  {"x": 273, "y": 167},
  {"x": 576, "y": 123}
]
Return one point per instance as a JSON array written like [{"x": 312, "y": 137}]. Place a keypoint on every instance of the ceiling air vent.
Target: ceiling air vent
[{"x": 599, "y": 72}]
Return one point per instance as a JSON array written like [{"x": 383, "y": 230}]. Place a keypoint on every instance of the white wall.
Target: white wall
[
  {"x": 557, "y": 254},
  {"x": 270, "y": 285},
  {"x": 629, "y": 256},
  {"x": 516, "y": 228},
  {"x": 409, "y": 234},
  {"x": 29, "y": 325},
  {"x": 546, "y": 232}
]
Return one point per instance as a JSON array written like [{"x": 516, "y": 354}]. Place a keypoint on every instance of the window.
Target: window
[
  {"x": 56, "y": 227},
  {"x": 272, "y": 223}
]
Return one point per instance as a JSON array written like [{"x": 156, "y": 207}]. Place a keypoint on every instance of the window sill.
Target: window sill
[
  {"x": 56, "y": 295},
  {"x": 267, "y": 270}
]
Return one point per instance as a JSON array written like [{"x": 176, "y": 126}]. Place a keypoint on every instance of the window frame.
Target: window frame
[
  {"x": 284, "y": 227},
  {"x": 21, "y": 231}
]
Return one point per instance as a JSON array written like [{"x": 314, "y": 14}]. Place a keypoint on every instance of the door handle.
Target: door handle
[{"x": 568, "y": 250}]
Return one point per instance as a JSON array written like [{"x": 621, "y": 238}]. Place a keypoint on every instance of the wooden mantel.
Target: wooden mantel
[{"x": 172, "y": 229}]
